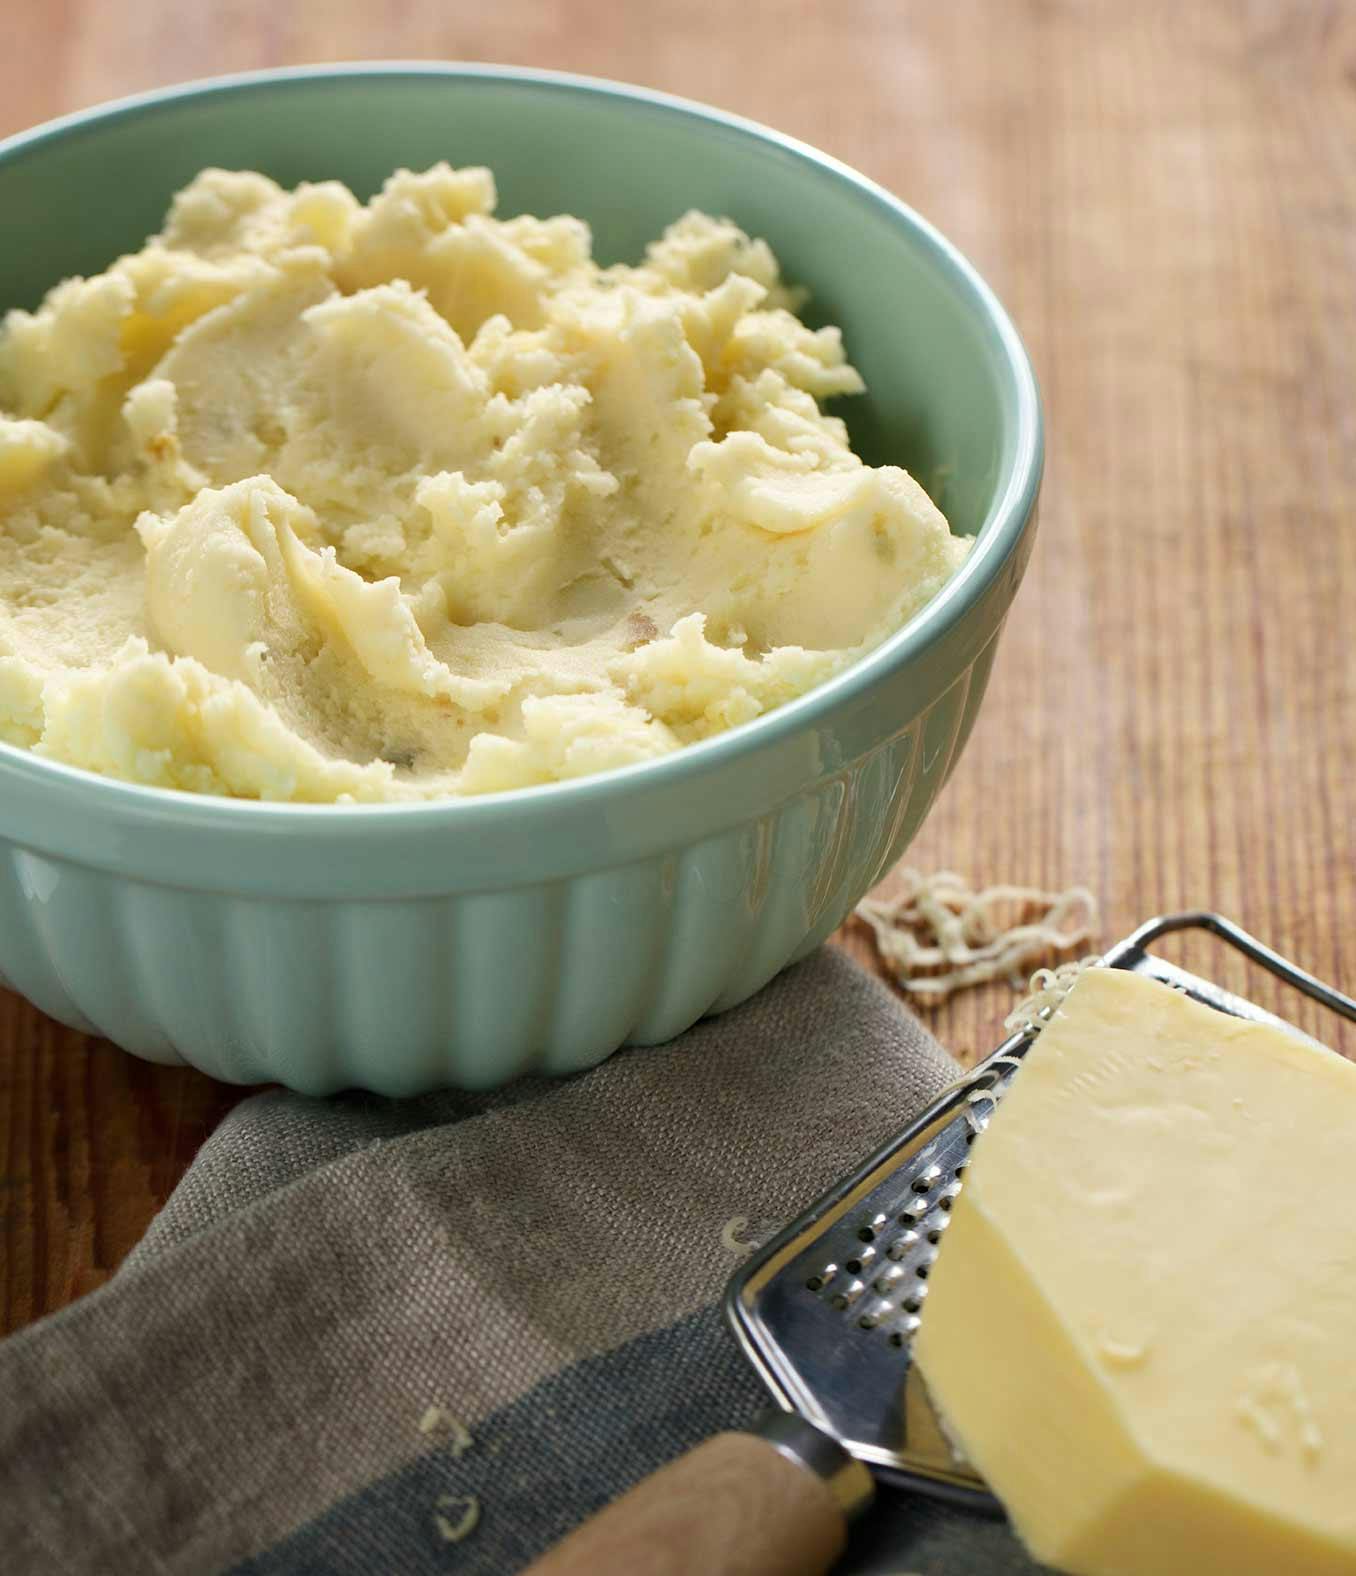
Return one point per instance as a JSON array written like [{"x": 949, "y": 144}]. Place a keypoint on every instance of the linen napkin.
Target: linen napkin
[{"x": 434, "y": 1335}]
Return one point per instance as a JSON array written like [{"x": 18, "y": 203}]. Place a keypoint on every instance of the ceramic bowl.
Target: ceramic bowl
[{"x": 404, "y": 947}]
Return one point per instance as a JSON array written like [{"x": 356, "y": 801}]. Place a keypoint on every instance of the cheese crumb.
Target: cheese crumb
[
  {"x": 740, "y": 1234},
  {"x": 452, "y": 1529},
  {"x": 440, "y": 1422},
  {"x": 730, "y": 1234}
]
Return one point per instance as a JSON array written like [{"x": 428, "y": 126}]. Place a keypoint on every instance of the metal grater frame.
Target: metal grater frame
[{"x": 827, "y": 1310}]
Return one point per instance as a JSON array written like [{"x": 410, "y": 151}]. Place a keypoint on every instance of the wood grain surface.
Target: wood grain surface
[{"x": 1165, "y": 197}]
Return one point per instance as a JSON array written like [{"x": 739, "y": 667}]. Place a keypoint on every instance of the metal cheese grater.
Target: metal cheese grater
[{"x": 827, "y": 1310}]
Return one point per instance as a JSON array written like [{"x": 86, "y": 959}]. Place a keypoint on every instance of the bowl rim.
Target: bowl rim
[{"x": 1009, "y": 513}]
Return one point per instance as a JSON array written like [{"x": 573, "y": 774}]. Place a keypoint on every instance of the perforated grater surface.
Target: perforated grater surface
[{"x": 827, "y": 1310}]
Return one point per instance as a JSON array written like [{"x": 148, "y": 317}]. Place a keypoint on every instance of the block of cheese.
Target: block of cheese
[{"x": 1141, "y": 1326}]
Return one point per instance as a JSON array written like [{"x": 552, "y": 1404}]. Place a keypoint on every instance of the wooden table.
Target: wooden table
[{"x": 1165, "y": 197}]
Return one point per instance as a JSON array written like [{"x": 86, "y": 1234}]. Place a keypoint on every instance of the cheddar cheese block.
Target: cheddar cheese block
[{"x": 1140, "y": 1327}]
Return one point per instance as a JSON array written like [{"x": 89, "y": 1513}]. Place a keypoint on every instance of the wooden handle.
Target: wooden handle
[{"x": 732, "y": 1507}]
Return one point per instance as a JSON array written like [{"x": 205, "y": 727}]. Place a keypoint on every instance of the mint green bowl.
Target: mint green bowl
[{"x": 401, "y": 948}]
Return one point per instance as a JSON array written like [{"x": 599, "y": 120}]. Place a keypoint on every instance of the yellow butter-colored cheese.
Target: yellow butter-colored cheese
[{"x": 1140, "y": 1326}]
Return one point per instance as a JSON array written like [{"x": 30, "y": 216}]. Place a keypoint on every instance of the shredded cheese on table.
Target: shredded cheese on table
[{"x": 940, "y": 936}]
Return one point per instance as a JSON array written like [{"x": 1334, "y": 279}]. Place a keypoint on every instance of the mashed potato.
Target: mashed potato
[{"x": 315, "y": 501}]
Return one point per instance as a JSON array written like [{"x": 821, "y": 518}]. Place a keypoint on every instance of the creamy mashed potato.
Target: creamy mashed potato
[{"x": 313, "y": 500}]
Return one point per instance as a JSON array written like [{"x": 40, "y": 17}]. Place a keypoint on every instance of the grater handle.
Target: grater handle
[{"x": 738, "y": 1505}]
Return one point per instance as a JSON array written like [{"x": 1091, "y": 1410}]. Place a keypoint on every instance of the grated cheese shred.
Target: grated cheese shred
[
  {"x": 731, "y": 1238},
  {"x": 939, "y": 935},
  {"x": 456, "y": 1516},
  {"x": 1048, "y": 988},
  {"x": 438, "y": 1421}
]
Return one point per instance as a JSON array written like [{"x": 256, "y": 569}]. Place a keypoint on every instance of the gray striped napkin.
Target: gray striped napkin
[{"x": 370, "y": 1336}]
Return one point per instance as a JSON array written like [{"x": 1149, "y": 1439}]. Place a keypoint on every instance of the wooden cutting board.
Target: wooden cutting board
[{"x": 1165, "y": 197}]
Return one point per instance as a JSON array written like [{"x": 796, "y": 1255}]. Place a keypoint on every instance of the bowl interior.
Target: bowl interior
[{"x": 942, "y": 397}]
